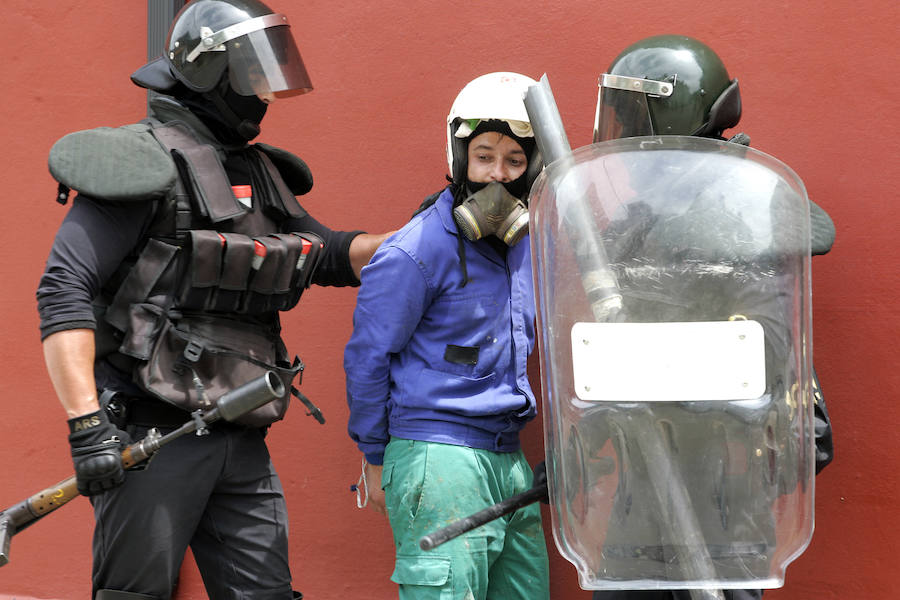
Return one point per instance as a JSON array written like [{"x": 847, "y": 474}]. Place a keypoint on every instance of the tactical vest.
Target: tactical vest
[{"x": 194, "y": 313}]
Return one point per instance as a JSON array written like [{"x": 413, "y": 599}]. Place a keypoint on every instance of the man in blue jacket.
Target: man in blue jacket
[{"x": 436, "y": 365}]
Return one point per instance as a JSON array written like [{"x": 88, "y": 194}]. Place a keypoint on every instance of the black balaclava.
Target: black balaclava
[
  {"x": 517, "y": 187},
  {"x": 234, "y": 119}
]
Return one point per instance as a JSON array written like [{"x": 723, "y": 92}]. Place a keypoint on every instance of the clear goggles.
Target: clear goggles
[
  {"x": 262, "y": 56},
  {"x": 622, "y": 109}
]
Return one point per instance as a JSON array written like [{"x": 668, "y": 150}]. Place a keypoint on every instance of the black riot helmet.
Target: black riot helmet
[
  {"x": 666, "y": 85},
  {"x": 241, "y": 38}
]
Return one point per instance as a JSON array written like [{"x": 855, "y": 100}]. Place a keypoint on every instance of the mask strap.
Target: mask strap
[
  {"x": 458, "y": 196},
  {"x": 461, "y": 253}
]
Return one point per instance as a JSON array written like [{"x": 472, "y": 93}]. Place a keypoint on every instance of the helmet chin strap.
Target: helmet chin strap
[{"x": 245, "y": 128}]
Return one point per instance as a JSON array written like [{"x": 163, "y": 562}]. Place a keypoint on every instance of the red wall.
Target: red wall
[{"x": 817, "y": 83}]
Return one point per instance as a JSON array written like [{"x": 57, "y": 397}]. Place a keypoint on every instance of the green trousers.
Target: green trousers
[{"x": 429, "y": 485}]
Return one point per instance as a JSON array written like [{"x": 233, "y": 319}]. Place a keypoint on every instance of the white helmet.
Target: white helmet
[{"x": 492, "y": 96}]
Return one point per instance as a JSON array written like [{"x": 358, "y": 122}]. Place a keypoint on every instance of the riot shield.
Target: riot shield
[{"x": 678, "y": 425}]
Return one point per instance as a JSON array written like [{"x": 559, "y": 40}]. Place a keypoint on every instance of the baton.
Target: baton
[
  {"x": 230, "y": 406},
  {"x": 495, "y": 511}
]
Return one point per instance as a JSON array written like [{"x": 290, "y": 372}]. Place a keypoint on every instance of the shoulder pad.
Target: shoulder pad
[
  {"x": 121, "y": 164},
  {"x": 821, "y": 228},
  {"x": 293, "y": 170}
]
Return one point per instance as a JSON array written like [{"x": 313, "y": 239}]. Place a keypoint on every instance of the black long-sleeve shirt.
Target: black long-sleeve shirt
[{"x": 96, "y": 236}]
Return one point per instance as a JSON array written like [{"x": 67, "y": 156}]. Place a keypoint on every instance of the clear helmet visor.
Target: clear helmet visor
[
  {"x": 622, "y": 106},
  {"x": 266, "y": 62}
]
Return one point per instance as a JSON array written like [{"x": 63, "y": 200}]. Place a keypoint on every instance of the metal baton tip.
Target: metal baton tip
[
  {"x": 427, "y": 543},
  {"x": 5, "y": 535},
  {"x": 250, "y": 396}
]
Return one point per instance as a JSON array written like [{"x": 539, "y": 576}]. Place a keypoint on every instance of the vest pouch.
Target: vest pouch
[
  {"x": 311, "y": 251},
  {"x": 144, "y": 321},
  {"x": 147, "y": 277},
  {"x": 271, "y": 254},
  {"x": 197, "y": 359},
  {"x": 203, "y": 271},
  {"x": 286, "y": 294},
  {"x": 236, "y": 268},
  {"x": 285, "y": 276}
]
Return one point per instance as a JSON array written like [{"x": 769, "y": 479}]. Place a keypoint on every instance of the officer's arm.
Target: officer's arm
[
  {"x": 96, "y": 444},
  {"x": 346, "y": 252},
  {"x": 89, "y": 245},
  {"x": 363, "y": 247},
  {"x": 69, "y": 356}
]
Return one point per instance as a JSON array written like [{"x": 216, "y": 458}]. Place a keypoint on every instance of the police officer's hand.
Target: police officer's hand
[{"x": 96, "y": 453}]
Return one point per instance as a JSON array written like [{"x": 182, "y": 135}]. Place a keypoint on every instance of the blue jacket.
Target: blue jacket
[{"x": 432, "y": 360}]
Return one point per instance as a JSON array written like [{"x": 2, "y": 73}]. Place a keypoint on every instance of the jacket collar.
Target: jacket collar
[
  {"x": 444, "y": 206},
  {"x": 167, "y": 109}
]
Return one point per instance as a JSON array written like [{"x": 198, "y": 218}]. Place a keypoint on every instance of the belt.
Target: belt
[{"x": 154, "y": 413}]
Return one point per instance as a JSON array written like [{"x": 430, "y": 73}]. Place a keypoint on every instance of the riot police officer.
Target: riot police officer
[
  {"x": 676, "y": 85},
  {"x": 162, "y": 290}
]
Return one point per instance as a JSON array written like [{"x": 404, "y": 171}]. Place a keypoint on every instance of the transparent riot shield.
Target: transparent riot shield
[{"x": 672, "y": 283}]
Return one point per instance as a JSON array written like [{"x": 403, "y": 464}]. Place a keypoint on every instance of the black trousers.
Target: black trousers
[
  {"x": 218, "y": 494},
  {"x": 671, "y": 595}
]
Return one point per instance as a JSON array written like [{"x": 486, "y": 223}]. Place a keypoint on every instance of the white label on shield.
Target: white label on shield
[{"x": 630, "y": 362}]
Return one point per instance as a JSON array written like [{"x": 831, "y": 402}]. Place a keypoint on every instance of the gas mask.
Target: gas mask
[{"x": 492, "y": 210}]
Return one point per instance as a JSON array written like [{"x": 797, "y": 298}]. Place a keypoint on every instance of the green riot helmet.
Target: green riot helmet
[
  {"x": 241, "y": 37},
  {"x": 666, "y": 85}
]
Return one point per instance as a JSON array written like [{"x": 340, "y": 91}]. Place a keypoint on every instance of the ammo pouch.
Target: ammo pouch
[
  {"x": 236, "y": 273},
  {"x": 192, "y": 361}
]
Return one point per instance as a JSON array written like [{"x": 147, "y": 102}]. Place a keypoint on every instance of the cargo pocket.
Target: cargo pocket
[
  {"x": 387, "y": 471},
  {"x": 430, "y": 575}
]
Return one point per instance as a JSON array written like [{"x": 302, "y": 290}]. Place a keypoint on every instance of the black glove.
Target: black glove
[
  {"x": 96, "y": 452},
  {"x": 540, "y": 478}
]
